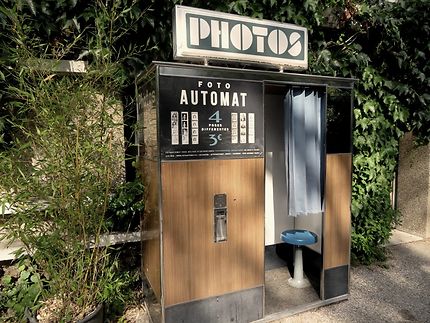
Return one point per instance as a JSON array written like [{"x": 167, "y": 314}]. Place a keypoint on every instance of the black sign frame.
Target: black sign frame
[{"x": 210, "y": 118}]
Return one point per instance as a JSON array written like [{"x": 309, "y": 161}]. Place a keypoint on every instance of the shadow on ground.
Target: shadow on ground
[{"x": 397, "y": 292}]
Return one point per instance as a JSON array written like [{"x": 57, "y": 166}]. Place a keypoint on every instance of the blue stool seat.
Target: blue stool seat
[{"x": 299, "y": 237}]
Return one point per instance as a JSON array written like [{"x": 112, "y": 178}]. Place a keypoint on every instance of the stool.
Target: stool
[{"x": 298, "y": 238}]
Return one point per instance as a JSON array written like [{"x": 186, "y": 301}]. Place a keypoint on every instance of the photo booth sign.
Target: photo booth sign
[
  {"x": 210, "y": 118},
  {"x": 204, "y": 34}
]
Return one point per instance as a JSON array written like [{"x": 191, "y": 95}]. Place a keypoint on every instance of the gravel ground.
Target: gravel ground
[{"x": 397, "y": 292}]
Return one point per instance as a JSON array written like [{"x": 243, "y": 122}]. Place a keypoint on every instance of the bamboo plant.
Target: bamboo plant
[{"x": 61, "y": 159}]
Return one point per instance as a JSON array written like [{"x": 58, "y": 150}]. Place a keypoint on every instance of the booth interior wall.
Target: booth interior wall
[
  {"x": 276, "y": 207},
  {"x": 276, "y": 183}
]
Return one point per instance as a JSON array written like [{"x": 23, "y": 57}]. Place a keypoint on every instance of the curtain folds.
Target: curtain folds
[{"x": 304, "y": 146}]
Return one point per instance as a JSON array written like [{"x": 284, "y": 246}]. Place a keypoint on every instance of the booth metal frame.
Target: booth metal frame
[{"x": 335, "y": 264}]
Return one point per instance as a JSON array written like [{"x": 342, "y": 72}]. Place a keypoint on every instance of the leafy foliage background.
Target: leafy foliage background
[{"x": 383, "y": 45}]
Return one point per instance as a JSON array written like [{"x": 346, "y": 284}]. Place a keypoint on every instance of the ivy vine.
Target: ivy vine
[{"x": 383, "y": 45}]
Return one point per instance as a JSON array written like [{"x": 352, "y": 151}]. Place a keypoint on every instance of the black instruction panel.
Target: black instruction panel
[{"x": 210, "y": 118}]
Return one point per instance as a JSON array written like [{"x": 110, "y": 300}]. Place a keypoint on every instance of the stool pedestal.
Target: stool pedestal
[{"x": 298, "y": 280}]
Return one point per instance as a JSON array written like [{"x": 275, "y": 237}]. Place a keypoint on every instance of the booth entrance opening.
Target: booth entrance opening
[
  {"x": 324, "y": 259},
  {"x": 282, "y": 289}
]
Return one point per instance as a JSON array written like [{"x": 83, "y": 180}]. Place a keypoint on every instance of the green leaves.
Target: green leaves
[
  {"x": 6, "y": 280},
  {"x": 383, "y": 45},
  {"x": 20, "y": 290},
  {"x": 125, "y": 206},
  {"x": 238, "y": 6}
]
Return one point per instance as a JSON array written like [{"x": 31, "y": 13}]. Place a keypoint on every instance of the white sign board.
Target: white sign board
[{"x": 203, "y": 34}]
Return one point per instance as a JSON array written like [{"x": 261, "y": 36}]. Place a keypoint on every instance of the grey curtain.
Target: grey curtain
[{"x": 303, "y": 144}]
